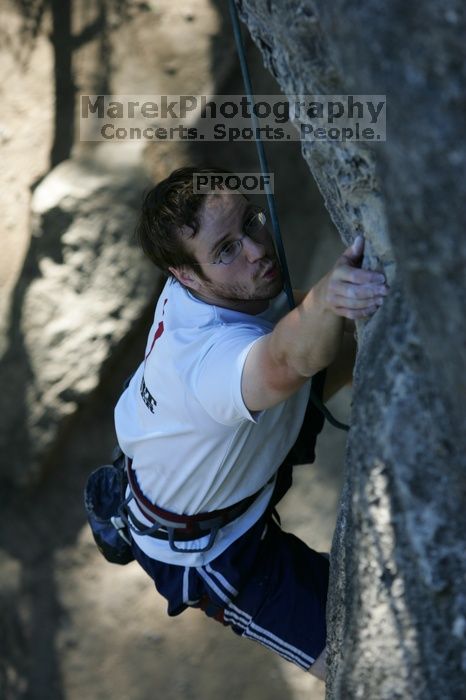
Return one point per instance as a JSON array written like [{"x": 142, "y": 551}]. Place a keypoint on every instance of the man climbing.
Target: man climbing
[{"x": 218, "y": 412}]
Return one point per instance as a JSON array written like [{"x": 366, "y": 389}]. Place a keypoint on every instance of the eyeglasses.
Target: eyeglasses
[{"x": 253, "y": 227}]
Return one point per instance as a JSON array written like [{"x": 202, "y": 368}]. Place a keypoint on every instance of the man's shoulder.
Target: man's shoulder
[{"x": 182, "y": 309}]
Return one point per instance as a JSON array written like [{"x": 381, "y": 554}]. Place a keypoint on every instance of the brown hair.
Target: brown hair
[{"x": 166, "y": 209}]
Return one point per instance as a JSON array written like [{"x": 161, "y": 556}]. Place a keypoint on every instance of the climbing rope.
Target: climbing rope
[{"x": 270, "y": 197}]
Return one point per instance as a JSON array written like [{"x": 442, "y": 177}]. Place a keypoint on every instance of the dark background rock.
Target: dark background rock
[
  {"x": 82, "y": 289},
  {"x": 397, "y": 606}
]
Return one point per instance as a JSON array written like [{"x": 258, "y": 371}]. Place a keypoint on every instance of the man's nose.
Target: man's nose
[{"x": 252, "y": 249}]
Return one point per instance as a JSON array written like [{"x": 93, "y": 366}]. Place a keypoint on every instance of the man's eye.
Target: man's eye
[{"x": 226, "y": 249}]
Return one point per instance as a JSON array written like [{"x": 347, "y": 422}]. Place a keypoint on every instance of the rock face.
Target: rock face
[
  {"x": 83, "y": 286},
  {"x": 397, "y": 605}
]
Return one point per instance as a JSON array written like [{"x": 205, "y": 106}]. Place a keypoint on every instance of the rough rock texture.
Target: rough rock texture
[
  {"x": 83, "y": 287},
  {"x": 73, "y": 301},
  {"x": 397, "y": 607}
]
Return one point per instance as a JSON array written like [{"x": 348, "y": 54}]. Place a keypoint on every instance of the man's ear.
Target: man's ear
[{"x": 185, "y": 276}]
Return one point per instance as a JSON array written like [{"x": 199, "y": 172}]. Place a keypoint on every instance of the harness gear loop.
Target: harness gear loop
[{"x": 172, "y": 526}]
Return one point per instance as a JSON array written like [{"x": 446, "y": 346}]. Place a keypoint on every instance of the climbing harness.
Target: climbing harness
[
  {"x": 173, "y": 527},
  {"x": 110, "y": 489},
  {"x": 107, "y": 495},
  {"x": 270, "y": 197}
]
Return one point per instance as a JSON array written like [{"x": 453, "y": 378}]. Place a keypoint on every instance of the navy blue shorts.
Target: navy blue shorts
[{"x": 268, "y": 586}]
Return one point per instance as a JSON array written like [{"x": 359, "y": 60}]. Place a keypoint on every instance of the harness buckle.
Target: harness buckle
[{"x": 212, "y": 535}]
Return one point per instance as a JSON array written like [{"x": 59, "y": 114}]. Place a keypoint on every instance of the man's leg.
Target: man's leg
[
  {"x": 282, "y": 586},
  {"x": 281, "y": 604},
  {"x": 318, "y": 668}
]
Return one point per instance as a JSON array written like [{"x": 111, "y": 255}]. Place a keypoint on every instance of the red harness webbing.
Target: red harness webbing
[{"x": 200, "y": 522}]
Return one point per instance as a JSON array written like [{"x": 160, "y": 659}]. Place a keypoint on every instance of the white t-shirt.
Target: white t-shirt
[{"x": 182, "y": 420}]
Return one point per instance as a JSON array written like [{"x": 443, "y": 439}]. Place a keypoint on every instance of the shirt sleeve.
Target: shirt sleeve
[{"x": 215, "y": 378}]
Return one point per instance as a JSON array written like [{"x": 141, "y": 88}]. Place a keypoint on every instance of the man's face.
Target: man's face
[{"x": 252, "y": 278}]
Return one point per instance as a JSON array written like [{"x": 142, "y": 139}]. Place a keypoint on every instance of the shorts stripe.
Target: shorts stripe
[
  {"x": 186, "y": 598},
  {"x": 305, "y": 659},
  {"x": 186, "y": 585},
  {"x": 251, "y": 629},
  {"x": 211, "y": 583},
  {"x": 221, "y": 579},
  {"x": 242, "y": 622},
  {"x": 275, "y": 647},
  {"x": 237, "y": 614}
]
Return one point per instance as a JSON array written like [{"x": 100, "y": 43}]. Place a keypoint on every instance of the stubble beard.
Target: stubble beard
[{"x": 263, "y": 289}]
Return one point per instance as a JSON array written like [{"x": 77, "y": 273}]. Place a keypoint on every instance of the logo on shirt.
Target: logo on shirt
[{"x": 147, "y": 397}]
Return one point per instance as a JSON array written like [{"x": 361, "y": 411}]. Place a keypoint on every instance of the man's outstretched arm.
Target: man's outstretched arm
[{"x": 309, "y": 338}]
